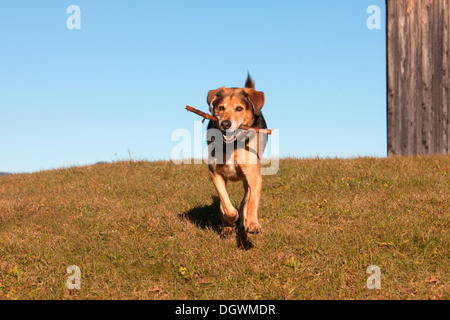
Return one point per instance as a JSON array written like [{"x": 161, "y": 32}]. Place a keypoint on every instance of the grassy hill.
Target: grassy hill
[{"x": 141, "y": 230}]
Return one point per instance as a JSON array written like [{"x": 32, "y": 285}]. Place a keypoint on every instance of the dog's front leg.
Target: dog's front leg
[
  {"x": 243, "y": 209},
  {"x": 254, "y": 181},
  {"x": 229, "y": 213}
]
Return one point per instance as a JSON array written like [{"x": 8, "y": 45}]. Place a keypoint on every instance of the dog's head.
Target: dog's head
[{"x": 234, "y": 107}]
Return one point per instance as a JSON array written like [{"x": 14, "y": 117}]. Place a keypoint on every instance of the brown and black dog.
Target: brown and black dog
[{"x": 234, "y": 107}]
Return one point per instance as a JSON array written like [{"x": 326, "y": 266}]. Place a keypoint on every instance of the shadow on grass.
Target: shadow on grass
[
  {"x": 205, "y": 217},
  {"x": 208, "y": 217}
]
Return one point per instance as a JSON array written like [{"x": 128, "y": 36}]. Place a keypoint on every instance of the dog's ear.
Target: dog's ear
[
  {"x": 256, "y": 99},
  {"x": 212, "y": 96}
]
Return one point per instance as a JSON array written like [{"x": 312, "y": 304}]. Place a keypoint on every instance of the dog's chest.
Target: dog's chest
[{"x": 228, "y": 171}]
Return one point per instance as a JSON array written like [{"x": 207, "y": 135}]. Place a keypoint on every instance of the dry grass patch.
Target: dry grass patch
[{"x": 150, "y": 230}]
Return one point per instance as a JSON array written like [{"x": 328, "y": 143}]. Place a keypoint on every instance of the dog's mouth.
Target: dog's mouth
[{"x": 231, "y": 136}]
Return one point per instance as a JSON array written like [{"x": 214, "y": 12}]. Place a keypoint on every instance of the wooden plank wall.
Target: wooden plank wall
[{"x": 418, "y": 76}]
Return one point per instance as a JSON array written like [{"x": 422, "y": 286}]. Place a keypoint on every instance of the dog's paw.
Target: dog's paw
[
  {"x": 253, "y": 228},
  {"x": 231, "y": 218},
  {"x": 227, "y": 232}
]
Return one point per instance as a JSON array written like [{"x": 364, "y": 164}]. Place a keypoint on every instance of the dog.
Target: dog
[{"x": 234, "y": 107}]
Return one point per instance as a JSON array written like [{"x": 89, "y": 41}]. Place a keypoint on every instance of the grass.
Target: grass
[{"x": 150, "y": 230}]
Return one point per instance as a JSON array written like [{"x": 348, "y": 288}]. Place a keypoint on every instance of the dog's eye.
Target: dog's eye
[
  {"x": 221, "y": 108},
  {"x": 239, "y": 109}
]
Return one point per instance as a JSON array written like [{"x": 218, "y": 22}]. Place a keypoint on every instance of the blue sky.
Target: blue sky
[{"x": 118, "y": 86}]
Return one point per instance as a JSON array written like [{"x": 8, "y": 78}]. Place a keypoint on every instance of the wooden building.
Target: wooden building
[{"x": 418, "y": 76}]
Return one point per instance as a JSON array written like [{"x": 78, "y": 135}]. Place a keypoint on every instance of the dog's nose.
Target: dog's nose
[{"x": 226, "y": 124}]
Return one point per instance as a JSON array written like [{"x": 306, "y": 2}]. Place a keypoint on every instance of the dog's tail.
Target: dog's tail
[{"x": 249, "y": 83}]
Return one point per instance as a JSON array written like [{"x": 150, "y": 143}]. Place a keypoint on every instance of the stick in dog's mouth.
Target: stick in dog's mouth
[{"x": 209, "y": 117}]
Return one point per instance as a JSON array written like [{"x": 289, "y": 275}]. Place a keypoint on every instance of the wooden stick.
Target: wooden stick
[
  {"x": 212, "y": 118},
  {"x": 202, "y": 114}
]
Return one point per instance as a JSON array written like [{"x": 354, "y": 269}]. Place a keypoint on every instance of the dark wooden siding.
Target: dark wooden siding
[{"x": 418, "y": 101}]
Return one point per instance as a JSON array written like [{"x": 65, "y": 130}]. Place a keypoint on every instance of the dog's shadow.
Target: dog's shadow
[
  {"x": 205, "y": 217},
  {"x": 208, "y": 217}
]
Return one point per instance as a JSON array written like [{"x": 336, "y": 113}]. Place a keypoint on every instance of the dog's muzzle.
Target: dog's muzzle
[{"x": 230, "y": 131}]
